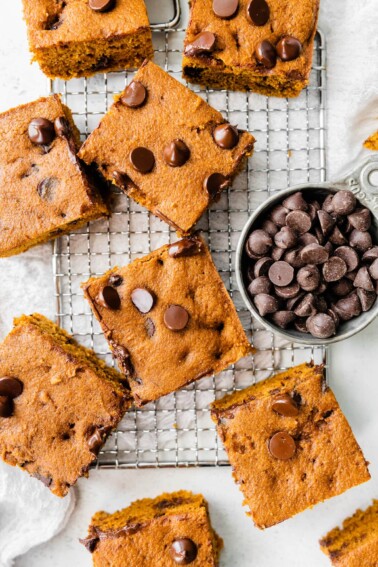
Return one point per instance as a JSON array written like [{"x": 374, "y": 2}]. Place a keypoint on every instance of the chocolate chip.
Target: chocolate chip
[
  {"x": 185, "y": 247},
  {"x": 373, "y": 270},
  {"x": 266, "y": 54},
  {"x": 308, "y": 278},
  {"x": 277, "y": 253},
  {"x": 285, "y": 238},
  {"x": 41, "y": 131},
  {"x": 142, "y": 299},
  {"x": 135, "y": 95},
  {"x": 295, "y": 202},
  {"x": 332, "y": 313},
  {"x": 342, "y": 287},
  {"x": 299, "y": 221},
  {"x": 215, "y": 183},
  {"x": 294, "y": 301},
  {"x": 282, "y": 446},
  {"x": 349, "y": 256},
  {"x": 261, "y": 284},
  {"x": 307, "y": 238},
  {"x": 11, "y": 387},
  {"x": 334, "y": 269},
  {"x": 285, "y": 405},
  {"x": 259, "y": 242},
  {"x": 300, "y": 325},
  {"x": 203, "y": 44},
  {"x": 360, "y": 219},
  {"x": 258, "y": 12},
  {"x": 225, "y": 9},
  {"x": 150, "y": 327},
  {"x": 344, "y": 202},
  {"x": 337, "y": 237},
  {"x": 62, "y": 127},
  {"x": 326, "y": 222},
  {"x": 281, "y": 273},
  {"x": 176, "y": 318},
  {"x": 262, "y": 266},
  {"x": 278, "y": 215},
  {"x": 321, "y": 326},
  {"x": 265, "y": 304},
  {"x": 122, "y": 180},
  {"x": 306, "y": 306},
  {"x": 109, "y": 298},
  {"x": 102, "y": 5},
  {"x": 289, "y": 291},
  {"x": 363, "y": 280},
  {"x": 176, "y": 154},
  {"x": 367, "y": 299},
  {"x": 183, "y": 551},
  {"x": 6, "y": 406},
  {"x": 361, "y": 241},
  {"x": 142, "y": 160},
  {"x": 283, "y": 318},
  {"x": 289, "y": 48},
  {"x": 293, "y": 257},
  {"x": 314, "y": 254},
  {"x": 348, "y": 307},
  {"x": 46, "y": 188},
  {"x": 226, "y": 136},
  {"x": 115, "y": 280},
  {"x": 270, "y": 227},
  {"x": 327, "y": 204},
  {"x": 370, "y": 255},
  {"x": 95, "y": 441}
]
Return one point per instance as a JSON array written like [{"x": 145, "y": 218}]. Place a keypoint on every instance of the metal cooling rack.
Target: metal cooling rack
[{"x": 290, "y": 149}]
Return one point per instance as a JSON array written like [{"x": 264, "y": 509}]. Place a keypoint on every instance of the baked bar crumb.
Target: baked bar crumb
[{"x": 372, "y": 142}]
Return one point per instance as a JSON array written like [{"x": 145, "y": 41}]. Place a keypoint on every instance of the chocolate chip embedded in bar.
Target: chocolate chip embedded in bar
[{"x": 311, "y": 264}]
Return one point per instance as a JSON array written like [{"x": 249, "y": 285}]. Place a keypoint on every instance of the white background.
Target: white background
[{"x": 26, "y": 285}]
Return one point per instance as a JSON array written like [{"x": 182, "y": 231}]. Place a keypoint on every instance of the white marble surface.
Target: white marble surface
[{"x": 27, "y": 285}]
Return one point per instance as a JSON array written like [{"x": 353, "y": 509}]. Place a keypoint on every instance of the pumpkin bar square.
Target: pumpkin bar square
[
  {"x": 78, "y": 38},
  {"x": 168, "y": 319},
  {"x": 355, "y": 544},
  {"x": 172, "y": 529},
  {"x": 45, "y": 190},
  {"x": 167, "y": 148},
  {"x": 58, "y": 403},
  {"x": 264, "y": 46},
  {"x": 289, "y": 444}
]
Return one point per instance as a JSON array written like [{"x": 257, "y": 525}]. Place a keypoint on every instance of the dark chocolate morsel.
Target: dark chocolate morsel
[
  {"x": 46, "y": 188},
  {"x": 373, "y": 269},
  {"x": 102, "y": 5},
  {"x": 266, "y": 54},
  {"x": 203, "y": 43},
  {"x": 344, "y": 202},
  {"x": 142, "y": 299},
  {"x": 62, "y": 127},
  {"x": 314, "y": 254},
  {"x": 327, "y": 204},
  {"x": 135, "y": 95},
  {"x": 348, "y": 307},
  {"x": 293, "y": 257},
  {"x": 295, "y": 202},
  {"x": 90, "y": 543},
  {"x": 41, "y": 131},
  {"x": 282, "y": 446},
  {"x": 306, "y": 306},
  {"x": 109, "y": 298},
  {"x": 360, "y": 219},
  {"x": 285, "y": 405},
  {"x": 183, "y": 551},
  {"x": 185, "y": 247},
  {"x": 307, "y": 238},
  {"x": 349, "y": 256},
  {"x": 278, "y": 215},
  {"x": 277, "y": 253},
  {"x": 286, "y": 237},
  {"x": 226, "y": 136},
  {"x": 265, "y": 304},
  {"x": 270, "y": 227},
  {"x": 6, "y": 406},
  {"x": 261, "y": 284},
  {"x": 308, "y": 277},
  {"x": 176, "y": 318},
  {"x": 150, "y": 327},
  {"x": 142, "y": 159},
  {"x": 289, "y": 48},
  {"x": 321, "y": 326},
  {"x": 367, "y": 299},
  {"x": 283, "y": 318},
  {"x": 300, "y": 325},
  {"x": 362, "y": 280},
  {"x": 115, "y": 280},
  {"x": 258, "y": 12},
  {"x": 326, "y": 222},
  {"x": 215, "y": 183},
  {"x": 225, "y": 9},
  {"x": 370, "y": 255},
  {"x": 361, "y": 241},
  {"x": 281, "y": 273},
  {"x": 336, "y": 237},
  {"x": 95, "y": 440},
  {"x": 11, "y": 387},
  {"x": 299, "y": 221},
  {"x": 176, "y": 154},
  {"x": 342, "y": 288},
  {"x": 334, "y": 269},
  {"x": 289, "y": 291},
  {"x": 259, "y": 242}
]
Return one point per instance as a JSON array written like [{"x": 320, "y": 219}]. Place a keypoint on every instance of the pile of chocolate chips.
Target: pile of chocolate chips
[{"x": 313, "y": 263}]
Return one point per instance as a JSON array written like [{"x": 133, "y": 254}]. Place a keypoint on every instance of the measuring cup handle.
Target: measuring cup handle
[{"x": 363, "y": 182}]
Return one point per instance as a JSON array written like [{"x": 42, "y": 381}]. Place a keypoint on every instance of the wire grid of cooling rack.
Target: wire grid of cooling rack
[{"x": 290, "y": 149}]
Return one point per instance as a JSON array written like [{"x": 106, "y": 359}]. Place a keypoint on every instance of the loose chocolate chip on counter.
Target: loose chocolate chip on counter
[
  {"x": 286, "y": 238},
  {"x": 225, "y": 9},
  {"x": 266, "y": 54},
  {"x": 109, "y": 298},
  {"x": 283, "y": 318},
  {"x": 344, "y": 202},
  {"x": 142, "y": 160},
  {"x": 226, "y": 136},
  {"x": 262, "y": 266},
  {"x": 176, "y": 318},
  {"x": 185, "y": 247},
  {"x": 289, "y": 48},
  {"x": 215, "y": 183},
  {"x": 259, "y": 242},
  {"x": 281, "y": 273},
  {"x": 258, "y": 12},
  {"x": 135, "y": 95},
  {"x": 308, "y": 277},
  {"x": 285, "y": 405},
  {"x": 295, "y": 202},
  {"x": 289, "y": 291},
  {"x": 334, "y": 269},
  {"x": 176, "y": 154},
  {"x": 373, "y": 270},
  {"x": 62, "y": 127},
  {"x": 41, "y": 131},
  {"x": 265, "y": 304},
  {"x": 261, "y": 284},
  {"x": 203, "y": 44},
  {"x": 142, "y": 299},
  {"x": 314, "y": 254},
  {"x": 348, "y": 307},
  {"x": 321, "y": 326},
  {"x": 360, "y": 219},
  {"x": 183, "y": 551},
  {"x": 299, "y": 221},
  {"x": 150, "y": 327},
  {"x": 349, "y": 256},
  {"x": 370, "y": 255},
  {"x": 11, "y": 387},
  {"x": 361, "y": 241},
  {"x": 363, "y": 280},
  {"x": 102, "y": 5},
  {"x": 282, "y": 446},
  {"x": 367, "y": 299},
  {"x": 6, "y": 406},
  {"x": 46, "y": 188},
  {"x": 115, "y": 280}
]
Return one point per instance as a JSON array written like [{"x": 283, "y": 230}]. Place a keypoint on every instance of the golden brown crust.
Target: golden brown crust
[
  {"x": 327, "y": 459},
  {"x": 142, "y": 534},
  {"x": 356, "y": 543},
  {"x": 233, "y": 65},
  {"x": 159, "y": 364},
  {"x": 172, "y": 111},
  {"x": 68, "y": 39},
  {"x": 69, "y": 396},
  {"x": 27, "y": 216}
]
